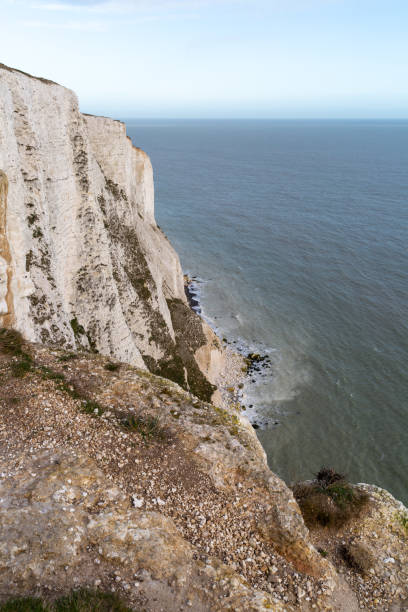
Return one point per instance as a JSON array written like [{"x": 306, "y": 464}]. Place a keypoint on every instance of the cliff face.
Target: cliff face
[{"x": 83, "y": 262}]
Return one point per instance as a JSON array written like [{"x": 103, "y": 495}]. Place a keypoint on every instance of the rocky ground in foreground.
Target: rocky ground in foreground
[{"x": 114, "y": 479}]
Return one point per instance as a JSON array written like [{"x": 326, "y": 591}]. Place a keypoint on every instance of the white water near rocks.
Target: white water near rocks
[{"x": 298, "y": 233}]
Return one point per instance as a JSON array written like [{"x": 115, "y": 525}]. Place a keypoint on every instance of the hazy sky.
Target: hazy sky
[{"x": 216, "y": 58}]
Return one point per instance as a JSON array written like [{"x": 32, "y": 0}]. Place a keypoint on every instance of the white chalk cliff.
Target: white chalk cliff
[{"x": 83, "y": 262}]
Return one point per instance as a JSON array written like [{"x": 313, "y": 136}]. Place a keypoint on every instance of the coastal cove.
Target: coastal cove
[{"x": 297, "y": 232}]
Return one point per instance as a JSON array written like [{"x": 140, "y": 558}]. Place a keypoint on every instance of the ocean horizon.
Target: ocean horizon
[{"x": 296, "y": 231}]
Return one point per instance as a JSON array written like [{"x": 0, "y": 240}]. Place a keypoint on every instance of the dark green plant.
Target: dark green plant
[
  {"x": 77, "y": 327},
  {"x": 112, "y": 367},
  {"x": 83, "y": 600}
]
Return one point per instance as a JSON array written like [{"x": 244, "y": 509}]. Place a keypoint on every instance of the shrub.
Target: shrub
[
  {"x": 146, "y": 426},
  {"x": 329, "y": 500},
  {"x": 327, "y": 476},
  {"x": 111, "y": 367}
]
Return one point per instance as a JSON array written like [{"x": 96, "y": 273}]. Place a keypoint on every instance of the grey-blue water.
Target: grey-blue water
[{"x": 299, "y": 232}]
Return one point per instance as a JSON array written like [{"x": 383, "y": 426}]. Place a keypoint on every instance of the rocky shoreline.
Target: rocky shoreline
[{"x": 240, "y": 368}]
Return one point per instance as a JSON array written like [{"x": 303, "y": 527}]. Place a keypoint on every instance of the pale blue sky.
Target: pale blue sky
[{"x": 216, "y": 58}]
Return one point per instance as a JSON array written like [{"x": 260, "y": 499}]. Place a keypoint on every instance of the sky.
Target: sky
[{"x": 216, "y": 58}]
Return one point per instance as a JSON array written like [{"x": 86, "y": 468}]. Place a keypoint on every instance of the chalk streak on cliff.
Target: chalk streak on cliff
[{"x": 6, "y": 300}]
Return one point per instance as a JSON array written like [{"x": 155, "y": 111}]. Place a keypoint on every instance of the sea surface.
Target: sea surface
[{"x": 298, "y": 234}]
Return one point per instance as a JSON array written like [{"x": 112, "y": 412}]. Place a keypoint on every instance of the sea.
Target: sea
[{"x": 296, "y": 233}]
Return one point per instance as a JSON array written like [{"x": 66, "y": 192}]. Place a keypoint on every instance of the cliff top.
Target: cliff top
[{"x": 9, "y": 69}]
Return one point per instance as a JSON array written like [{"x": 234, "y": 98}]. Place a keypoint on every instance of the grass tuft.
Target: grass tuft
[
  {"x": 68, "y": 357},
  {"x": 49, "y": 374},
  {"x": 402, "y": 518},
  {"x": 92, "y": 408},
  {"x": 83, "y": 600},
  {"x": 90, "y": 601},
  {"x": 147, "y": 426},
  {"x": 20, "y": 368},
  {"x": 24, "y": 604}
]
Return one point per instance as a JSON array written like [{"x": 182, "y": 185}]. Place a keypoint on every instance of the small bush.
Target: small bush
[
  {"x": 147, "y": 426},
  {"x": 329, "y": 500},
  {"x": 11, "y": 341},
  {"x": 111, "y": 367},
  {"x": 327, "y": 477}
]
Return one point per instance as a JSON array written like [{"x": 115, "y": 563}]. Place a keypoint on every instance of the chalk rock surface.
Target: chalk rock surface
[
  {"x": 82, "y": 260},
  {"x": 64, "y": 525}
]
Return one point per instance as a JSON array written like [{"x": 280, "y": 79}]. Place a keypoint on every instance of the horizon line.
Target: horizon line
[{"x": 176, "y": 118}]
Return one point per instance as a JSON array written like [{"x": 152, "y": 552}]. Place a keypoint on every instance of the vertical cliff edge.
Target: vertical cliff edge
[{"x": 83, "y": 263}]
